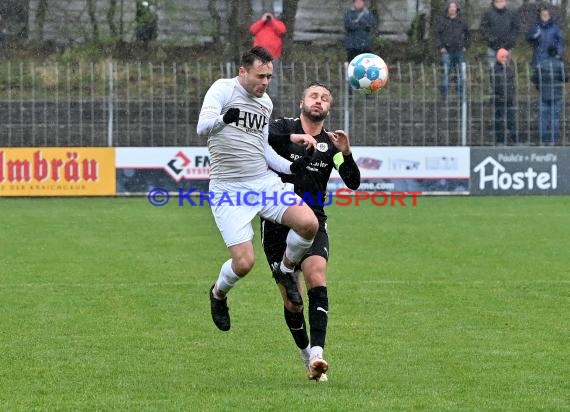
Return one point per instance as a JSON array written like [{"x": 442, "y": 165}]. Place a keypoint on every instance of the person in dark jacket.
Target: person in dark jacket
[
  {"x": 452, "y": 42},
  {"x": 358, "y": 24},
  {"x": 549, "y": 78},
  {"x": 499, "y": 28},
  {"x": 503, "y": 82},
  {"x": 543, "y": 34},
  {"x": 146, "y": 22}
]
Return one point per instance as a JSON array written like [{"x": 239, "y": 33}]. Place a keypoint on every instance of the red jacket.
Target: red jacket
[{"x": 268, "y": 34}]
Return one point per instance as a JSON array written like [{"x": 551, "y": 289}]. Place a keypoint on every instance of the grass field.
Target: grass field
[{"x": 459, "y": 303}]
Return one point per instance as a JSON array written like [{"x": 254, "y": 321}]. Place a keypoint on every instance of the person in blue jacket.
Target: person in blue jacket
[
  {"x": 358, "y": 24},
  {"x": 549, "y": 78},
  {"x": 543, "y": 34}
]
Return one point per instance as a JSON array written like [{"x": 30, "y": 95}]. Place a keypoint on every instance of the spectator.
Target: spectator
[
  {"x": 504, "y": 100},
  {"x": 543, "y": 34},
  {"x": 452, "y": 42},
  {"x": 268, "y": 32},
  {"x": 528, "y": 11},
  {"x": 358, "y": 23},
  {"x": 499, "y": 28},
  {"x": 146, "y": 22},
  {"x": 549, "y": 76}
]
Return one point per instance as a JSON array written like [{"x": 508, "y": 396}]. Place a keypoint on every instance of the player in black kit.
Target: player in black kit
[{"x": 306, "y": 137}]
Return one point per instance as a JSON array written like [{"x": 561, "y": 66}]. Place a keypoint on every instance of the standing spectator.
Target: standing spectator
[
  {"x": 499, "y": 28},
  {"x": 268, "y": 32},
  {"x": 548, "y": 76},
  {"x": 503, "y": 80},
  {"x": 358, "y": 23},
  {"x": 543, "y": 34},
  {"x": 452, "y": 42},
  {"x": 146, "y": 22}
]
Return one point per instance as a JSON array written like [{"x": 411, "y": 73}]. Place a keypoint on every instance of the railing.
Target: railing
[{"x": 125, "y": 104}]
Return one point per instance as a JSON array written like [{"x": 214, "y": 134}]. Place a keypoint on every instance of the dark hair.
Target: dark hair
[
  {"x": 257, "y": 53},
  {"x": 543, "y": 6}
]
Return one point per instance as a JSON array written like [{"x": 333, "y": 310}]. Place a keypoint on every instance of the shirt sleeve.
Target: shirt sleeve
[
  {"x": 279, "y": 136},
  {"x": 256, "y": 26},
  {"x": 210, "y": 120},
  {"x": 348, "y": 170},
  {"x": 274, "y": 161},
  {"x": 278, "y": 27}
]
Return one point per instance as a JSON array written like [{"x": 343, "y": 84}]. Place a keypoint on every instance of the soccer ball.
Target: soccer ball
[{"x": 367, "y": 73}]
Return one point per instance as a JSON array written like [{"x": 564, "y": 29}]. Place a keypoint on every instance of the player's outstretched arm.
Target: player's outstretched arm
[
  {"x": 274, "y": 161},
  {"x": 343, "y": 161}
]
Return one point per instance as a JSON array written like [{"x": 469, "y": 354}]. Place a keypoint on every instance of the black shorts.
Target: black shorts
[{"x": 274, "y": 241}]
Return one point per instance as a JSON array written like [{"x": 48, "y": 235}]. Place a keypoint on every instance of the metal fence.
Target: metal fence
[{"x": 143, "y": 104}]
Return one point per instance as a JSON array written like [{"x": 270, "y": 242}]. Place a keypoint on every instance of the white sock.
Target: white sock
[
  {"x": 305, "y": 354},
  {"x": 284, "y": 268},
  {"x": 226, "y": 280},
  {"x": 297, "y": 246},
  {"x": 316, "y": 352}
]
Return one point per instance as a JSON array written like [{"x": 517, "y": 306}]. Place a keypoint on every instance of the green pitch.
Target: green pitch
[{"x": 456, "y": 304}]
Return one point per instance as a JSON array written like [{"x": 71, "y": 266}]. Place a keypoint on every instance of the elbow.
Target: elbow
[
  {"x": 354, "y": 184},
  {"x": 352, "y": 181},
  {"x": 201, "y": 130}
]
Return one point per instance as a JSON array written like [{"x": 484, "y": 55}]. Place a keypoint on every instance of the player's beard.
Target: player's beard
[{"x": 314, "y": 117}]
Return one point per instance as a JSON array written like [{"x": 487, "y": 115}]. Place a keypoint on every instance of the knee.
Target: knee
[
  {"x": 316, "y": 279},
  {"x": 242, "y": 265},
  {"x": 302, "y": 220},
  {"x": 309, "y": 226}
]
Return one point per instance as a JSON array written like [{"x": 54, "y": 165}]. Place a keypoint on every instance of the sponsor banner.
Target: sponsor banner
[
  {"x": 426, "y": 186},
  {"x": 428, "y": 163},
  {"x": 520, "y": 171},
  {"x": 139, "y": 169},
  {"x": 65, "y": 171},
  {"x": 426, "y": 169}
]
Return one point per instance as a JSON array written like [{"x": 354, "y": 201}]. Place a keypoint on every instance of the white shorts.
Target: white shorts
[{"x": 266, "y": 196}]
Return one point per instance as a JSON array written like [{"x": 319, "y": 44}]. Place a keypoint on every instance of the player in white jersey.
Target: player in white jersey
[{"x": 235, "y": 116}]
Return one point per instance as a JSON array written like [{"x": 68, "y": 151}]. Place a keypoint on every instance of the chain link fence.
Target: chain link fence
[{"x": 144, "y": 104}]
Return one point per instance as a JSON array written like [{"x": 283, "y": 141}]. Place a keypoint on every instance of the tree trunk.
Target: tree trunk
[
  {"x": 91, "y": 10},
  {"x": 121, "y": 20},
  {"x": 434, "y": 11},
  {"x": 111, "y": 17},
  {"x": 41, "y": 19},
  {"x": 216, "y": 23},
  {"x": 289, "y": 13},
  {"x": 239, "y": 20}
]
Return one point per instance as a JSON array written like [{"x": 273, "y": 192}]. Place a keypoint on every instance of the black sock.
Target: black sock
[
  {"x": 318, "y": 315},
  {"x": 296, "y": 323}
]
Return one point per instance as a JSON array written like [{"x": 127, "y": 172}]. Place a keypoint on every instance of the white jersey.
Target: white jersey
[{"x": 237, "y": 151}]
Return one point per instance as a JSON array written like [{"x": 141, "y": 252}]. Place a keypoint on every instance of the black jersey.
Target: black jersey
[{"x": 311, "y": 185}]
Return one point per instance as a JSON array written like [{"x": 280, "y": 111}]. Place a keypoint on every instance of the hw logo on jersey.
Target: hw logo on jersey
[
  {"x": 183, "y": 166},
  {"x": 251, "y": 122}
]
